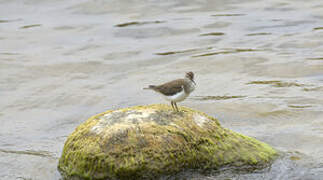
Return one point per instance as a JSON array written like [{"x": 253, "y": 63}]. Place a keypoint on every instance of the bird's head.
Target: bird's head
[{"x": 190, "y": 76}]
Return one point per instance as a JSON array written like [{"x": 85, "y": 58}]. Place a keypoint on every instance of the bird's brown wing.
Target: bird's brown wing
[{"x": 171, "y": 88}]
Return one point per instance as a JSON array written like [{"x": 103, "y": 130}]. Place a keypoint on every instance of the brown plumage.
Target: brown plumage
[{"x": 170, "y": 88}]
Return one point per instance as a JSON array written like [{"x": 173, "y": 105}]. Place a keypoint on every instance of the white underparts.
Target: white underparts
[{"x": 178, "y": 97}]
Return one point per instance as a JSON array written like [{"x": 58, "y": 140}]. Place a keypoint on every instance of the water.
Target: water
[{"x": 258, "y": 66}]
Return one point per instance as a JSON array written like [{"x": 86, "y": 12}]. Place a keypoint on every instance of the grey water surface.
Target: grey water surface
[{"x": 258, "y": 66}]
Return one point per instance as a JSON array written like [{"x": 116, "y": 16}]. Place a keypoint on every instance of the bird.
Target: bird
[{"x": 177, "y": 90}]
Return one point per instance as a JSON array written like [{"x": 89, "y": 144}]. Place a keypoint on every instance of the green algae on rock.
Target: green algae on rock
[{"x": 147, "y": 142}]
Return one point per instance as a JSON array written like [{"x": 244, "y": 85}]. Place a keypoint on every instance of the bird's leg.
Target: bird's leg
[
  {"x": 172, "y": 103},
  {"x": 176, "y": 107}
]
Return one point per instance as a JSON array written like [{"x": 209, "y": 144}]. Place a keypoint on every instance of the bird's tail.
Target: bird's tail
[{"x": 150, "y": 87}]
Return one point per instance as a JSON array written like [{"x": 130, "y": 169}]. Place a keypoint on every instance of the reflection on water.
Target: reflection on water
[
  {"x": 45, "y": 154},
  {"x": 215, "y": 97},
  {"x": 277, "y": 83},
  {"x": 229, "y": 15},
  {"x": 258, "y": 34},
  {"x": 30, "y": 26},
  {"x": 138, "y": 23},
  {"x": 226, "y": 52},
  {"x": 182, "y": 51},
  {"x": 213, "y": 34},
  {"x": 258, "y": 67}
]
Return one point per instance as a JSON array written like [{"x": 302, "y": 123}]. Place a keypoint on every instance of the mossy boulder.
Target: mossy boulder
[{"x": 147, "y": 142}]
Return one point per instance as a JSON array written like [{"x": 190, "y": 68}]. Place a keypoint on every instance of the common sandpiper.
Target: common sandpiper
[{"x": 176, "y": 90}]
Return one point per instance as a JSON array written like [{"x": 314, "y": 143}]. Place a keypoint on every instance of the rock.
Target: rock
[{"x": 147, "y": 142}]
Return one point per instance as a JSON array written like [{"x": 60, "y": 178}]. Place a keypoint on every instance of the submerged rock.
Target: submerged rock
[{"x": 146, "y": 142}]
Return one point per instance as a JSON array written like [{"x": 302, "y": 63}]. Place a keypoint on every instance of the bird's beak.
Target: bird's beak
[{"x": 193, "y": 82}]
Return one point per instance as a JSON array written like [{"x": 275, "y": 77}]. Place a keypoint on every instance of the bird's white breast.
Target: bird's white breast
[{"x": 180, "y": 96}]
